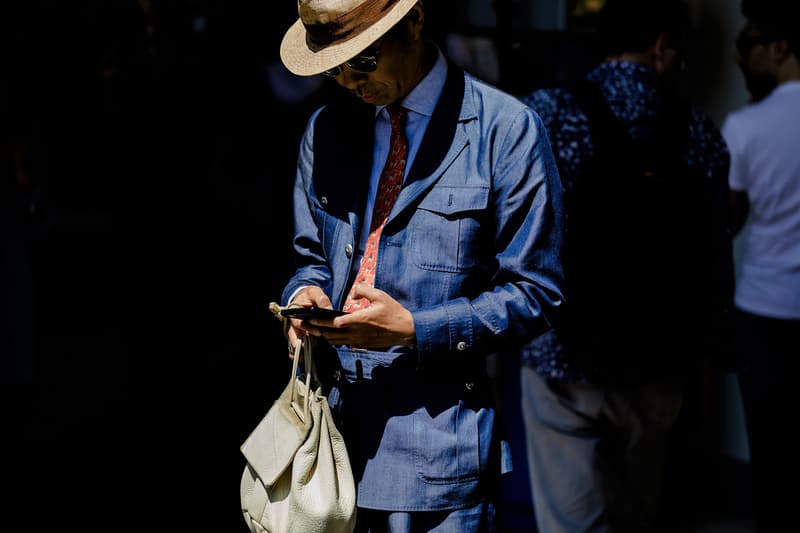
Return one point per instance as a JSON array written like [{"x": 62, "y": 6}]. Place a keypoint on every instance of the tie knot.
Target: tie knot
[{"x": 397, "y": 116}]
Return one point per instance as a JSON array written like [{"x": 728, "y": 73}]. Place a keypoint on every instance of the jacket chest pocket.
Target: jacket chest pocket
[{"x": 446, "y": 228}]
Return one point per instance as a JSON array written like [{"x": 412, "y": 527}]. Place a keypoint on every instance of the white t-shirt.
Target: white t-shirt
[{"x": 764, "y": 142}]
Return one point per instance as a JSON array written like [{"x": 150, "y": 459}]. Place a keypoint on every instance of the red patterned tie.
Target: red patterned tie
[{"x": 391, "y": 181}]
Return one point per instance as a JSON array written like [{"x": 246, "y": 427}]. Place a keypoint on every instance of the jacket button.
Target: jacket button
[
  {"x": 469, "y": 385},
  {"x": 324, "y": 200},
  {"x": 337, "y": 376},
  {"x": 461, "y": 346},
  {"x": 348, "y": 250}
]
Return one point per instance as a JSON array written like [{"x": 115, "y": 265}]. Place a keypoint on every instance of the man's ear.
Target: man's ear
[
  {"x": 779, "y": 50},
  {"x": 416, "y": 20},
  {"x": 416, "y": 14}
]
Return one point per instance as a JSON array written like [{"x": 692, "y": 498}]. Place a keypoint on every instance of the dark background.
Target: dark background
[
  {"x": 152, "y": 231},
  {"x": 147, "y": 162}
]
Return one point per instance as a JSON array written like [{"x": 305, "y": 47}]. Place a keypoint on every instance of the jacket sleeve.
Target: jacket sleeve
[
  {"x": 314, "y": 269},
  {"x": 525, "y": 288}
]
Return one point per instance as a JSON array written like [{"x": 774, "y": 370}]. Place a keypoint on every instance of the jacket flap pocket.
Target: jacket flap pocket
[{"x": 449, "y": 199}]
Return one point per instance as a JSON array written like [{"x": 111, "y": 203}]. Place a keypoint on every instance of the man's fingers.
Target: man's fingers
[{"x": 362, "y": 290}]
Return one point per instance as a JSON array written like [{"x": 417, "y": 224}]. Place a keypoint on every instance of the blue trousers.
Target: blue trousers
[{"x": 477, "y": 519}]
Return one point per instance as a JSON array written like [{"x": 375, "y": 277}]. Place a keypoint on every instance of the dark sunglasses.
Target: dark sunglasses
[
  {"x": 365, "y": 62},
  {"x": 747, "y": 41}
]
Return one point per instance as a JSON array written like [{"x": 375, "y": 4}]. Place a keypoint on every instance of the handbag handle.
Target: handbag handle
[{"x": 304, "y": 344}]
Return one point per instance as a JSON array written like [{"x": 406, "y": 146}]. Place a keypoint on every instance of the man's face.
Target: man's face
[
  {"x": 396, "y": 70},
  {"x": 753, "y": 58}
]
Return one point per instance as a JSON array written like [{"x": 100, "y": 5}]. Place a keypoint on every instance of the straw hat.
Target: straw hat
[{"x": 329, "y": 32}]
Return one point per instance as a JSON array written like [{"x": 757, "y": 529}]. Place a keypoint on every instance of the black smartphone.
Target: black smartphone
[{"x": 311, "y": 312}]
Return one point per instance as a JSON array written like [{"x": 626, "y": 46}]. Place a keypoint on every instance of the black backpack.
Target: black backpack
[{"x": 639, "y": 252}]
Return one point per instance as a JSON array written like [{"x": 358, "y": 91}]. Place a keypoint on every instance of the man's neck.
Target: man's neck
[
  {"x": 789, "y": 70},
  {"x": 640, "y": 58},
  {"x": 427, "y": 60}
]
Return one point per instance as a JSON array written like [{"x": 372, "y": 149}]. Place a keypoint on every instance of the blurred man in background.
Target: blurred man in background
[{"x": 765, "y": 200}]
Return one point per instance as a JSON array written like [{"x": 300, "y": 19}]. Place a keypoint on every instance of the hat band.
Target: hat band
[{"x": 348, "y": 25}]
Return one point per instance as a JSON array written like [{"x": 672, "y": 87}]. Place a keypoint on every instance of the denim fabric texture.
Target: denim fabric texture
[{"x": 471, "y": 248}]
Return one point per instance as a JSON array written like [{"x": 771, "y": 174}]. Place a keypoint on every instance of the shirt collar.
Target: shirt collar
[{"x": 423, "y": 98}]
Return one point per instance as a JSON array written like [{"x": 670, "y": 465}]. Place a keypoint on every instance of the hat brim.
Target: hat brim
[{"x": 302, "y": 60}]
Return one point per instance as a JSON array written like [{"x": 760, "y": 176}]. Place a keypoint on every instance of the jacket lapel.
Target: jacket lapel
[{"x": 444, "y": 139}]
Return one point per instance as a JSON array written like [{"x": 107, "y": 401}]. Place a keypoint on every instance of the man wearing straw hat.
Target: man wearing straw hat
[{"x": 427, "y": 206}]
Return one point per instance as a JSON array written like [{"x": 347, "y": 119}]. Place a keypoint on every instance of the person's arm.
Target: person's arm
[
  {"x": 314, "y": 270},
  {"x": 526, "y": 282}
]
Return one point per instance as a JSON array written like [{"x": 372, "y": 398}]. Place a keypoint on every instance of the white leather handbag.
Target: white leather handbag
[{"x": 298, "y": 477}]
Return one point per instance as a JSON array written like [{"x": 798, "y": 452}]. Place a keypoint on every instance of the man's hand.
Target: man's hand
[
  {"x": 384, "y": 323},
  {"x": 311, "y": 295}
]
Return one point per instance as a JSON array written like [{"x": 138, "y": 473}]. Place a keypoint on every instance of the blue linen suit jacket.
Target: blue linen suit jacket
[{"x": 471, "y": 248}]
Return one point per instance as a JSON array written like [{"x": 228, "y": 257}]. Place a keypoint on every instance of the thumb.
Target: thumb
[{"x": 362, "y": 290}]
